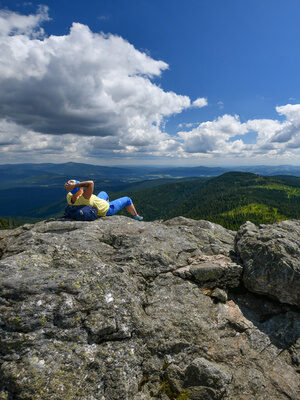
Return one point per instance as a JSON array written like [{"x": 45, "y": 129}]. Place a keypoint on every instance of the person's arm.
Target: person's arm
[
  {"x": 76, "y": 195},
  {"x": 88, "y": 185}
]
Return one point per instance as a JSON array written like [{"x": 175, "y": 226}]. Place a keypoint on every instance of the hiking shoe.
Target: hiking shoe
[{"x": 137, "y": 217}]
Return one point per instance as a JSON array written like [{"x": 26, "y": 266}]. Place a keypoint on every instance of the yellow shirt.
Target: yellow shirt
[{"x": 94, "y": 201}]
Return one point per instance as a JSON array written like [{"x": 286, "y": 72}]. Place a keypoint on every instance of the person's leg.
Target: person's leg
[
  {"x": 103, "y": 195},
  {"x": 131, "y": 209},
  {"x": 116, "y": 205}
]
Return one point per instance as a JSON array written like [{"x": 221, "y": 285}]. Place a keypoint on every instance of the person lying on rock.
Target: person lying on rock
[{"x": 81, "y": 194}]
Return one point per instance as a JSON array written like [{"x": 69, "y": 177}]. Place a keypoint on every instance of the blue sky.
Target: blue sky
[{"x": 240, "y": 57}]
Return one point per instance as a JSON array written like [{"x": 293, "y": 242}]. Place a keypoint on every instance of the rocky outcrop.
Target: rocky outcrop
[
  {"x": 271, "y": 258},
  {"x": 127, "y": 310},
  {"x": 212, "y": 271}
]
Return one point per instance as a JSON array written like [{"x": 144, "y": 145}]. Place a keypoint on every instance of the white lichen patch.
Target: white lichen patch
[
  {"x": 68, "y": 301},
  {"x": 109, "y": 298},
  {"x": 37, "y": 363},
  {"x": 90, "y": 352}
]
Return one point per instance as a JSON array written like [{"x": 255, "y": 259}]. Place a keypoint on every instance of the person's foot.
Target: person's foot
[{"x": 137, "y": 217}]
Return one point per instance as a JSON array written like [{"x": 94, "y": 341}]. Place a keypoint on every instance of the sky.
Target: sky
[{"x": 157, "y": 82}]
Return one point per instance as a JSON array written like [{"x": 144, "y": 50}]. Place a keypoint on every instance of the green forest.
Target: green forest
[
  {"x": 8, "y": 223},
  {"x": 229, "y": 200}
]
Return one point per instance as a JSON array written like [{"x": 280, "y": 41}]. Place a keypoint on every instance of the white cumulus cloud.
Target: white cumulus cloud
[
  {"x": 223, "y": 137},
  {"x": 12, "y": 23},
  {"x": 289, "y": 134},
  {"x": 200, "y": 102},
  {"x": 82, "y": 83},
  {"x": 213, "y": 136},
  {"x": 20, "y": 144}
]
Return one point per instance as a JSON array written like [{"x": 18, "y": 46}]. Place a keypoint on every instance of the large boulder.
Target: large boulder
[
  {"x": 117, "y": 309},
  {"x": 270, "y": 255}
]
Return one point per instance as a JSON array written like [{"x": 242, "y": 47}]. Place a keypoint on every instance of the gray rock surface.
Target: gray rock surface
[
  {"x": 117, "y": 309},
  {"x": 219, "y": 294},
  {"x": 271, "y": 258},
  {"x": 212, "y": 271},
  {"x": 210, "y": 238}
]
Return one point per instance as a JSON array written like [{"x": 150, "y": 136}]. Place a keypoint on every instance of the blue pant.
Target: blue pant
[{"x": 116, "y": 205}]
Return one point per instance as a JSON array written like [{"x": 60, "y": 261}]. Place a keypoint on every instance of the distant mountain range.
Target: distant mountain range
[
  {"x": 37, "y": 173},
  {"x": 31, "y": 192}
]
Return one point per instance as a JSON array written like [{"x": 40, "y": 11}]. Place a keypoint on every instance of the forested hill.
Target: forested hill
[{"x": 230, "y": 199}]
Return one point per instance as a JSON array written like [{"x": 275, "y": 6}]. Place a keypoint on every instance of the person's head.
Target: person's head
[{"x": 72, "y": 181}]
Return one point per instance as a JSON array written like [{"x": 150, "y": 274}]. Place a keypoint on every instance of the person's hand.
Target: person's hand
[{"x": 70, "y": 185}]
